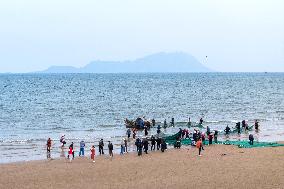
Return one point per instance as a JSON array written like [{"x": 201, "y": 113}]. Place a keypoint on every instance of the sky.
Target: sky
[{"x": 235, "y": 35}]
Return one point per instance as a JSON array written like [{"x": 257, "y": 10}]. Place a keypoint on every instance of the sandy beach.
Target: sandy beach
[{"x": 221, "y": 166}]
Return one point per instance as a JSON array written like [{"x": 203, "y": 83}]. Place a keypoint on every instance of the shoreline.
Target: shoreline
[
  {"x": 220, "y": 166},
  {"x": 116, "y": 152}
]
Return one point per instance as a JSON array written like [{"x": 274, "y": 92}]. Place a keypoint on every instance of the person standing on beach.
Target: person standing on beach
[
  {"x": 128, "y": 132},
  {"x": 153, "y": 143},
  {"x": 210, "y": 138},
  {"x": 122, "y": 147},
  {"x": 136, "y": 143},
  {"x": 163, "y": 145},
  {"x": 194, "y": 136},
  {"x": 199, "y": 146},
  {"x": 82, "y": 148},
  {"x": 244, "y": 124},
  {"x": 93, "y": 153},
  {"x": 203, "y": 138},
  {"x": 101, "y": 147},
  {"x": 48, "y": 148},
  {"x": 238, "y": 127},
  {"x": 159, "y": 141},
  {"x": 208, "y": 131},
  {"x": 145, "y": 145},
  {"x": 110, "y": 149},
  {"x": 139, "y": 147},
  {"x": 251, "y": 139},
  {"x": 227, "y": 130},
  {"x": 215, "y": 136},
  {"x": 71, "y": 152},
  {"x": 125, "y": 146}
]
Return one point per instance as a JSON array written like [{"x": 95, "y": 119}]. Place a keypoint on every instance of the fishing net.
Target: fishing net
[{"x": 171, "y": 140}]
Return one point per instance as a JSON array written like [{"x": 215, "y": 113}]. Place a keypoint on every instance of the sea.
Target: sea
[{"x": 35, "y": 107}]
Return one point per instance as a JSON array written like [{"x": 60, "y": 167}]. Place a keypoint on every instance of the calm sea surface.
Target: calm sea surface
[{"x": 34, "y": 107}]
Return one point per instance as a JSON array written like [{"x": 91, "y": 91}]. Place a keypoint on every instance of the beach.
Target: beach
[{"x": 220, "y": 166}]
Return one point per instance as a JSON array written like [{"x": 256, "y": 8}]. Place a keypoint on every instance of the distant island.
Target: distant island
[{"x": 158, "y": 62}]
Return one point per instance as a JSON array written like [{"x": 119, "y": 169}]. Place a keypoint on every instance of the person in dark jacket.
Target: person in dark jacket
[
  {"x": 165, "y": 123},
  {"x": 238, "y": 127},
  {"x": 163, "y": 145},
  {"x": 227, "y": 130},
  {"x": 139, "y": 147},
  {"x": 177, "y": 144},
  {"x": 145, "y": 145},
  {"x": 216, "y": 136},
  {"x": 136, "y": 143},
  {"x": 153, "y": 122},
  {"x": 110, "y": 149},
  {"x": 210, "y": 138},
  {"x": 208, "y": 131},
  {"x": 256, "y": 125},
  {"x": 194, "y": 136},
  {"x": 158, "y": 129},
  {"x": 153, "y": 143},
  {"x": 244, "y": 124},
  {"x": 128, "y": 132},
  {"x": 173, "y": 122},
  {"x": 201, "y": 121},
  {"x": 101, "y": 147},
  {"x": 146, "y": 131},
  {"x": 159, "y": 141},
  {"x": 125, "y": 145},
  {"x": 251, "y": 139}
]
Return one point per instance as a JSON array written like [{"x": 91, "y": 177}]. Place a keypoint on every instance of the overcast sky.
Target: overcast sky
[{"x": 236, "y": 35}]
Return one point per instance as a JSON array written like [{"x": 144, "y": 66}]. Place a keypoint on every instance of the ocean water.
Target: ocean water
[{"x": 34, "y": 107}]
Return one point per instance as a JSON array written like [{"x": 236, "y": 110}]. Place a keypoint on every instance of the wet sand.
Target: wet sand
[{"x": 220, "y": 166}]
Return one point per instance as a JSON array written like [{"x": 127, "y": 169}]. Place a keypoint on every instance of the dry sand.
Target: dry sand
[{"x": 239, "y": 168}]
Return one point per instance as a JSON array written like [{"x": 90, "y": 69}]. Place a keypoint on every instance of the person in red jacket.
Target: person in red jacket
[
  {"x": 93, "y": 153},
  {"x": 199, "y": 146}
]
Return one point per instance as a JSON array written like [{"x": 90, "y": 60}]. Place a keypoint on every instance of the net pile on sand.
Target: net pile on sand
[{"x": 171, "y": 140}]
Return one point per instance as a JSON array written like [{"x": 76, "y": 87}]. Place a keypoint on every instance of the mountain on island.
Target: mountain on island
[{"x": 159, "y": 62}]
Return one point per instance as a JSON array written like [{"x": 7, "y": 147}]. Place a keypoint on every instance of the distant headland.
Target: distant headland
[{"x": 154, "y": 63}]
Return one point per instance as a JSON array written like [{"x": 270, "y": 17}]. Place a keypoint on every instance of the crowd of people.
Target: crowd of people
[{"x": 156, "y": 142}]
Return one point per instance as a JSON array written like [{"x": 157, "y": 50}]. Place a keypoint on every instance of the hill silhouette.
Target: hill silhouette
[{"x": 158, "y": 62}]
